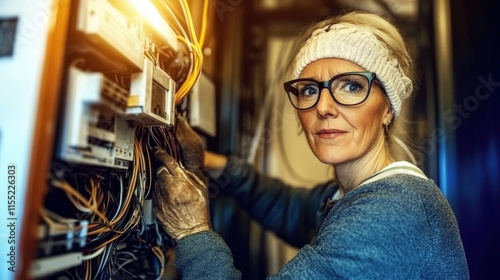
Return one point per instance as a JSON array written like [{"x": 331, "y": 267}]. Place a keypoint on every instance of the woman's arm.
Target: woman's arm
[{"x": 293, "y": 213}]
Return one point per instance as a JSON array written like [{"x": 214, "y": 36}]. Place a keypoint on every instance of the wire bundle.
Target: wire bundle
[
  {"x": 113, "y": 205},
  {"x": 187, "y": 35}
]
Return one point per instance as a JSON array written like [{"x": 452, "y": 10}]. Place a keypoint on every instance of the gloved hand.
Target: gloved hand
[
  {"x": 191, "y": 147},
  {"x": 180, "y": 200}
]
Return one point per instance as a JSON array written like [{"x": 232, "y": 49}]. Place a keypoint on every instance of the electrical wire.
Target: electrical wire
[
  {"x": 183, "y": 37},
  {"x": 188, "y": 37},
  {"x": 93, "y": 255},
  {"x": 176, "y": 21},
  {"x": 204, "y": 22},
  {"x": 161, "y": 258},
  {"x": 198, "y": 61},
  {"x": 76, "y": 195}
]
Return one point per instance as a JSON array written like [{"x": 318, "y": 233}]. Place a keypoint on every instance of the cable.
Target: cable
[
  {"x": 195, "y": 49},
  {"x": 75, "y": 194},
  {"x": 184, "y": 37},
  {"x": 181, "y": 28},
  {"x": 93, "y": 255},
  {"x": 204, "y": 21},
  {"x": 161, "y": 258},
  {"x": 120, "y": 200}
]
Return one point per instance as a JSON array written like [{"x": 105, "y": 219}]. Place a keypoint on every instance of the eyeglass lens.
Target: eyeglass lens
[{"x": 349, "y": 89}]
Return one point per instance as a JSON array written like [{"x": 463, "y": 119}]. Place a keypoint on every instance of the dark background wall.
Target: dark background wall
[{"x": 474, "y": 165}]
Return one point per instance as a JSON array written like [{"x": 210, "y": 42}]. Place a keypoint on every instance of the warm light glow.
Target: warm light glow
[
  {"x": 147, "y": 9},
  {"x": 155, "y": 20}
]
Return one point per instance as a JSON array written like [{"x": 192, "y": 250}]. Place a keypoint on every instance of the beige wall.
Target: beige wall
[{"x": 287, "y": 155}]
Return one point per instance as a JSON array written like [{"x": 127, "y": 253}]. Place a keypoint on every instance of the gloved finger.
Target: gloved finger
[
  {"x": 170, "y": 165},
  {"x": 191, "y": 146},
  {"x": 160, "y": 189},
  {"x": 183, "y": 130},
  {"x": 163, "y": 156},
  {"x": 161, "y": 169},
  {"x": 188, "y": 139}
]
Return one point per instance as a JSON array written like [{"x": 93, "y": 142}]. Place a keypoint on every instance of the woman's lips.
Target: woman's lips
[{"x": 329, "y": 133}]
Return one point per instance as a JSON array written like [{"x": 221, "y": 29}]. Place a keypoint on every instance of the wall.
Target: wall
[
  {"x": 472, "y": 166},
  {"x": 288, "y": 154}
]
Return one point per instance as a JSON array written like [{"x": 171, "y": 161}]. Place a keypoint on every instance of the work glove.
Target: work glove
[
  {"x": 191, "y": 147},
  {"x": 180, "y": 200}
]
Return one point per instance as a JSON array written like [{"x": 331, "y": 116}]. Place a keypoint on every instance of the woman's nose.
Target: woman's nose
[{"x": 326, "y": 105}]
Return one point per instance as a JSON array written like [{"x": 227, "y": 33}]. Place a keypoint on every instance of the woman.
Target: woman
[{"x": 385, "y": 218}]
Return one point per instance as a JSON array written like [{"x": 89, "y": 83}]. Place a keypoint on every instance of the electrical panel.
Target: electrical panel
[
  {"x": 106, "y": 28},
  {"x": 92, "y": 124},
  {"x": 152, "y": 96},
  {"x": 202, "y": 106},
  {"x": 118, "y": 101}
]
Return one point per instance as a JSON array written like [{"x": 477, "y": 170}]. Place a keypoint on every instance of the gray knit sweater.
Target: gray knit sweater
[{"x": 400, "y": 227}]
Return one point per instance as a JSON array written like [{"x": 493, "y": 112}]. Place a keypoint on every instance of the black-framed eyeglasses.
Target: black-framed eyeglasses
[{"x": 348, "y": 89}]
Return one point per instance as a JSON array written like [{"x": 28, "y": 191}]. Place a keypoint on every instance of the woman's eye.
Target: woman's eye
[
  {"x": 352, "y": 87},
  {"x": 308, "y": 90}
]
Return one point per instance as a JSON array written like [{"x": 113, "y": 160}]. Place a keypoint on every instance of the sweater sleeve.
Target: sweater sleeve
[
  {"x": 292, "y": 213},
  {"x": 204, "y": 256}
]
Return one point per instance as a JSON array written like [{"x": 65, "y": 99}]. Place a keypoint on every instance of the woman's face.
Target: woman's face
[{"x": 337, "y": 133}]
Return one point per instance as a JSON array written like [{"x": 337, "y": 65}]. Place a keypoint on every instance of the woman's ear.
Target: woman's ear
[{"x": 388, "y": 117}]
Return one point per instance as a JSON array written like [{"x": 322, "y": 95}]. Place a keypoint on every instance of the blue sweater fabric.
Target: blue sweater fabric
[{"x": 400, "y": 227}]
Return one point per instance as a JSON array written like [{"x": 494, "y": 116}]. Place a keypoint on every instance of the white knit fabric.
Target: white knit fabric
[{"x": 361, "y": 47}]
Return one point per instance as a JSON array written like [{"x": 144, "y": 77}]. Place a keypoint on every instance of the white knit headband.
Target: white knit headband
[{"x": 361, "y": 47}]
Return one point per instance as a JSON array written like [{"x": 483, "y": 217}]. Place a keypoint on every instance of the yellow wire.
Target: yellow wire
[
  {"x": 193, "y": 77},
  {"x": 204, "y": 23},
  {"x": 189, "y": 21},
  {"x": 196, "y": 46},
  {"x": 88, "y": 269},
  {"x": 161, "y": 257},
  {"x": 131, "y": 185}
]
